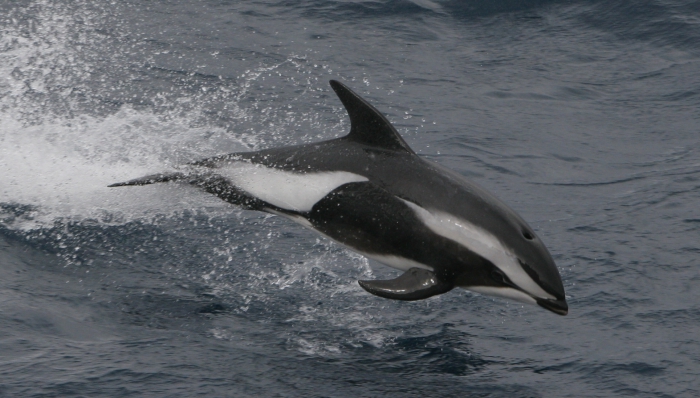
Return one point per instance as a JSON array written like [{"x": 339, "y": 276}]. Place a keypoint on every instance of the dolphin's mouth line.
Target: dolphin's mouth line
[
  {"x": 536, "y": 277},
  {"x": 557, "y": 306},
  {"x": 560, "y": 307},
  {"x": 554, "y": 305}
]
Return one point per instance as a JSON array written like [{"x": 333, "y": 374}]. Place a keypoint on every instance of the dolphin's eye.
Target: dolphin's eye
[
  {"x": 527, "y": 235},
  {"x": 499, "y": 276}
]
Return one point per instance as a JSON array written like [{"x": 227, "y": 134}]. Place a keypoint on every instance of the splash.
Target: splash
[
  {"x": 76, "y": 115},
  {"x": 60, "y": 146}
]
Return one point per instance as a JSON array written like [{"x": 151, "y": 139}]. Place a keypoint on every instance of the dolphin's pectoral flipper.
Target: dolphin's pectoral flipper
[
  {"x": 414, "y": 284},
  {"x": 151, "y": 179}
]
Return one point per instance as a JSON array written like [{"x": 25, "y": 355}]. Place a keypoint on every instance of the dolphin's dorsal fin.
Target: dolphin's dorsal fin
[
  {"x": 414, "y": 284},
  {"x": 367, "y": 125}
]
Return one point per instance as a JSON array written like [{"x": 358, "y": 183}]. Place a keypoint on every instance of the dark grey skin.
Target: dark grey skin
[{"x": 372, "y": 217}]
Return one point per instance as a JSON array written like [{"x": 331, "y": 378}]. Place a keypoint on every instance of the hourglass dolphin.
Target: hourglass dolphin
[{"x": 370, "y": 192}]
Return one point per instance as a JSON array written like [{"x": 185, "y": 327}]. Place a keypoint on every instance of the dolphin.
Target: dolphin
[{"x": 370, "y": 192}]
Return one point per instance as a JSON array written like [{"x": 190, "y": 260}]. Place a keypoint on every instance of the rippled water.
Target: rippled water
[{"x": 584, "y": 116}]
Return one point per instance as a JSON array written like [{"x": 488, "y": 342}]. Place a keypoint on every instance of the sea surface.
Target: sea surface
[{"x": 583, "y": 116}]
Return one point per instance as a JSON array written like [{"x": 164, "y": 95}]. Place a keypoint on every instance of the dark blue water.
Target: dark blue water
[{"x": 584, "y": 116}]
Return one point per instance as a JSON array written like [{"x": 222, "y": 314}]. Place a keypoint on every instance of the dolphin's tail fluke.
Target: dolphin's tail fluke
[{"x": 152, "y": 179}]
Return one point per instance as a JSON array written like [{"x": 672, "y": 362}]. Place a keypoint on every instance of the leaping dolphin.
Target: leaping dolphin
[{"x": 370, "y": 192}]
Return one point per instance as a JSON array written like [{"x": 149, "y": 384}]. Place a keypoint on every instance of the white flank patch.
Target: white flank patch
[
  {"x": 285, "y": 189},
  {"x": 482, "y": 243}
]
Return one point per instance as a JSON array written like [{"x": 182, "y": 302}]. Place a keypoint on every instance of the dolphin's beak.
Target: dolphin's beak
[{"x": 557, "y": 306}]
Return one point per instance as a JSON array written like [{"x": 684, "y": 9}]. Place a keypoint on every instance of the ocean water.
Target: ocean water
[{"x": 584, "y": 116}]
